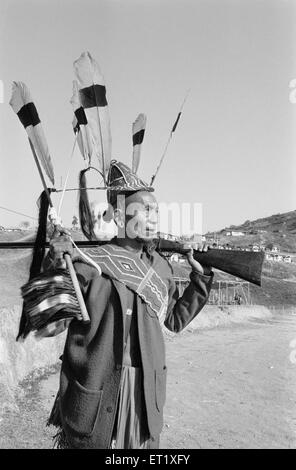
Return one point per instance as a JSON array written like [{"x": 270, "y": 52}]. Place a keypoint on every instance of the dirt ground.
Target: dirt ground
[{"x": 228, "y": 387}]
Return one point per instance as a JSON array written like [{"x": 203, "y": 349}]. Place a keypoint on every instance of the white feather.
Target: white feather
[
  {"x": 84, "y": 139},
  {"x": 88, "y": 74},
  {"x": 20, "y": 97},
  {"x": 138, "y": 125}
]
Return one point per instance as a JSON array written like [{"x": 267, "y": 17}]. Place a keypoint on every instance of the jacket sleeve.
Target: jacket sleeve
[{"x": 182, "y": 310}]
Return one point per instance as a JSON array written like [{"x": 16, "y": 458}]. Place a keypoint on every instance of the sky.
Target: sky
[{"x": 234, "y": 148}]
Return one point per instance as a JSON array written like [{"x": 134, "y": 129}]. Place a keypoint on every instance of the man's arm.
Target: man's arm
[
  {"x": 182, "y": 310},
  {"x": 59, "y": 245}
]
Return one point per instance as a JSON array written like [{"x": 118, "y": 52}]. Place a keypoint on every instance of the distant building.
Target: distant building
[
  {"x": 278, "y": 258},
  {"x": 287, "y": 259},
  {"x": 194, "y": 238},
  {"x": 175, "y": 257},
  {"x": 234, "y": 233},
  {"x": 172, "y": 237},
  {"x": 167, "y": 236},
  {"x": 197, "y": 238},
  {"x": 211, "y": 241},
  {"x": 274, "y": 249}
]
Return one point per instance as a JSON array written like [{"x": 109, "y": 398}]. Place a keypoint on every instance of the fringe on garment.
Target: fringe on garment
[
  {"x": 59, "y": 439},
  {"x": 38, "y": 256},
  {"x": 55, "y": 417},
  {"x": 48, "y": 298}
]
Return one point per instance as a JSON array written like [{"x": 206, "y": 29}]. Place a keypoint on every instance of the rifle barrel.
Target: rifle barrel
[{"x": 246, "y": 265}]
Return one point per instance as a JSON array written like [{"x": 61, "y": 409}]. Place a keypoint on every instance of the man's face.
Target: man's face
[{"x": 141, "y": 220}]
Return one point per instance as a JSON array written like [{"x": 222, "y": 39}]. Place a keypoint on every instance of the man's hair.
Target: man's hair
[
  {"x": 113, "y": 197},
  {"x": 85, "y": 214}
]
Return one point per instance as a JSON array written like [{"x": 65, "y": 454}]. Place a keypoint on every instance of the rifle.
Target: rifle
[{"x": 246, "y": 265}]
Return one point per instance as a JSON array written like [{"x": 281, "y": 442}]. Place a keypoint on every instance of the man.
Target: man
[{"x": 113, "y": 376}]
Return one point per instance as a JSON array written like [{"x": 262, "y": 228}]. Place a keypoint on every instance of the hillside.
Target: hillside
[
  {"x": 278, "y": 289},
  {"x": 277, "y": 223},
  {"x": 277, "y": 229}
]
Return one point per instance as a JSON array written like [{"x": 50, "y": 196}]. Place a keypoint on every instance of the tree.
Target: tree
[
  {"x": 74, "y": 222},
  {"x": 25, "y": 224}
]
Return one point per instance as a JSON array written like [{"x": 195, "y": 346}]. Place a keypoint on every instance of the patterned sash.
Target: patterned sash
[{"x": 126, "y": 267}]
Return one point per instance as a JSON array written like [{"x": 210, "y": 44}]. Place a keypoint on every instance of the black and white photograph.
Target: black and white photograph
[{"x": 147, "y": 227}]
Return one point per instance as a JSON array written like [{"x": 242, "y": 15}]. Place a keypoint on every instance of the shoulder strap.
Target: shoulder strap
[{"x": 127, "y": 324}]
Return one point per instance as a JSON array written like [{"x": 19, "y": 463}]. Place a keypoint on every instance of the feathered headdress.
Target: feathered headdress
[
  {"x": 139, "y": 127},
  {"x": 23, "y": 105},
  {"x": 92, "y": 97},
  {"x": 81, "y": 127},
  {"x": 92, "y": 125}
]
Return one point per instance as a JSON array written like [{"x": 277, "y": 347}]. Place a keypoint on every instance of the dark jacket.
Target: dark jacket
[{"x": 92, "y": 359}]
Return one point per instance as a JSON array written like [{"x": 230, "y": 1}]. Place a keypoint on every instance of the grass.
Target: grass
[{"x": 23, "y": 427}]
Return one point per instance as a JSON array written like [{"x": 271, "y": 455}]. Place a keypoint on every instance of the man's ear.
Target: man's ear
[{"x": 117, "y": 215}]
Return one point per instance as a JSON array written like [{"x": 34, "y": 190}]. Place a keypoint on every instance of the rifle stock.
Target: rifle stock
[{"x": 246, "y": 265}]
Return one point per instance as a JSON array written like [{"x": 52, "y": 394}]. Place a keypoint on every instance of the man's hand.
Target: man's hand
[
  {"x": 59, "y": 245},
  {"x": 195, "y": 265}
]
